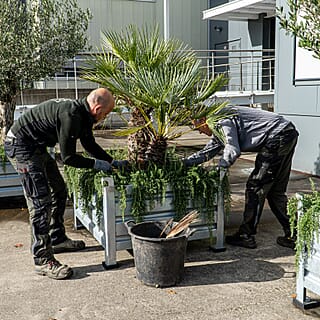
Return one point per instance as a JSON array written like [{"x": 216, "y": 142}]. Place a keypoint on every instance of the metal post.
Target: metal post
[
  {"x": 109, "y": 221},
  {"x": 166, "y": 19},
  {"x": 219, "y": 245},
  {"x": 56, "y": 82},
  {"x": 75, "y": 77},
  {"x": 270, "y": 75},
  {"x": 212, "y": 65},
  {"x": 252, "y": 77}
]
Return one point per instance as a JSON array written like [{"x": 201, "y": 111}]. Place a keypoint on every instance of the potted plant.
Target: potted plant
[
  {"x": 163, "y": 85},
  {"x": 10, "y": 184},
  {"x": 304, "y": 211}
]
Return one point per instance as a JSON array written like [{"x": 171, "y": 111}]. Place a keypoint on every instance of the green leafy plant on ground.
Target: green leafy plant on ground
[
  {"x": 149, "y": 186},
  {"x": 307, "y": 225}
]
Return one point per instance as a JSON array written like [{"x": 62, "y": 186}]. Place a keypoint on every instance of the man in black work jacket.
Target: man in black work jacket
[{"x": 51, "y": 122}]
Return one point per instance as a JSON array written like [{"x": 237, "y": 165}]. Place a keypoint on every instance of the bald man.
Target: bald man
[{"x": 49, "y": 123}]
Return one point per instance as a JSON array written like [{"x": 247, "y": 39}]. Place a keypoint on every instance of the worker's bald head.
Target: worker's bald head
[{"x": 101, "y": 103}]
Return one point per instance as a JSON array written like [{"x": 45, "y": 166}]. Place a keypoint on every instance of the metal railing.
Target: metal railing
[{"x": 247, "y": 70}]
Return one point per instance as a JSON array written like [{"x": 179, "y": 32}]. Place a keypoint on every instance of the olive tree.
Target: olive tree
[
  {"x": 303, "y": 21},
  {"x": 37, "y": 37}
]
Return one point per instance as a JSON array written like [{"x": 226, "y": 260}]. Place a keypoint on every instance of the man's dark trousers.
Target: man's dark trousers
[{"x": 269, "y": 180}]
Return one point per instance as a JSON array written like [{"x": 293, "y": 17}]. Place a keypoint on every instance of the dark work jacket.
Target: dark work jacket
[{"x": 64, "y": 122}]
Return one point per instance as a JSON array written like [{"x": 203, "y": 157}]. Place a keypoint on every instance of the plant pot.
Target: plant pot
[
  {"x": 308, "y": 273},
  {"x": 159, "y": 261},
  {"x": 10, "y": 184},
  {"x": 110, "y": 230}
]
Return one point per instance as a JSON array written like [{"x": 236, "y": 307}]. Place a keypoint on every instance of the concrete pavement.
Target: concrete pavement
[{"x": 236, "y": 284}]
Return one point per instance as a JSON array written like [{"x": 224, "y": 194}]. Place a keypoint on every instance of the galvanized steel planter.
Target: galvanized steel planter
[
  {"x": 308, "y": 275},
  {"x": 10, "y": 184},
  {"x": 112, "y": 234}
]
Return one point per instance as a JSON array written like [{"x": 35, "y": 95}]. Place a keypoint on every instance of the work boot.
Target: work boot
[
  {"x": 54, "y": 270},
  {"x": 68, "y": 246},
  {"x": 287, "y": 241},
  {"x": 242, "y": 240}
]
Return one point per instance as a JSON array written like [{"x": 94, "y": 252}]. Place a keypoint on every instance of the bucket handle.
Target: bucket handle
[
  {"x": 129, "y": 224},
  {"x": 190, "y": 232}
]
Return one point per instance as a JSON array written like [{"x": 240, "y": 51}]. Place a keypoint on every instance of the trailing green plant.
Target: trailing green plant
[
  {"x": 148, "y": 186},
  {"x": 3, "y": 157},
  {"x": 306, "y": 226}
]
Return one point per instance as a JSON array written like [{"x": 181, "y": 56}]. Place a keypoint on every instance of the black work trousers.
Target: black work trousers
[
  {"x": 269, "y": 180},
  {"x": 45, "y": 193}
]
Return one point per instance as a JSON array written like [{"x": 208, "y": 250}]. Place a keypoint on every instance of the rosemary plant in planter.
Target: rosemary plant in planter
[
  {"x": 307, "y": 225},
  {"x": 156, "y": 193},
  {"x": 304, "y": 211},
  {"x": 163, "y": 85},
  {"x": 3, "y": 157},
  {"x": 149, "y": 186}
]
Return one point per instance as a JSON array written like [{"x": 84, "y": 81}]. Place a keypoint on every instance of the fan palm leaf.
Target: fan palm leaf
[{"x": 161, "y": 80}]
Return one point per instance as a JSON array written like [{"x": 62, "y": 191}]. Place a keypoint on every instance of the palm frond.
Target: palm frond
[
  {"x": 128, "y": 131},
  {"x": 162, "y": 79},
  {"x": 208, "y": 88}
]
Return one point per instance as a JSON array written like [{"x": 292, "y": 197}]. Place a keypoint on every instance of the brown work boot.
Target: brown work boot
[
  {"x": 68, "y": 246},
  {"x": 54, "y": 270}
]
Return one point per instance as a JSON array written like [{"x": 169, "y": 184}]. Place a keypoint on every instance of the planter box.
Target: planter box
[
  {"x": 112, "y": 234},
  {"x": 10, "y": 184},
  {"x": 308, "y": 275}
]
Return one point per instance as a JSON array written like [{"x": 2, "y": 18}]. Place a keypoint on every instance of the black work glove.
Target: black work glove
[
  {"x": 102, "y": 165},
  {"x": 120, "y": 164},
  {"x": 188, "y": 163}
]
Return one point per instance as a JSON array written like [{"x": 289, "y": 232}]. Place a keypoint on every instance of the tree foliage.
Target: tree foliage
[
  {"x": 37, "y": 37},
  {"x": 303, "y": 21}
]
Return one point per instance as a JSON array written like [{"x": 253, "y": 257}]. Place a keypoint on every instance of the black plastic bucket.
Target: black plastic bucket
[{"x": 159, "y": 261}]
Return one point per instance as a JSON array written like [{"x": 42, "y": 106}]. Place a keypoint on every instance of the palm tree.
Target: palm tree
[{"x": 162, "y": 83}]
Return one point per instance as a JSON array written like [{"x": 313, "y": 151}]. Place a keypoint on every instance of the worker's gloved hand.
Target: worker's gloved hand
[
  {"x": 120, "y": 164},
  {"x": 223, "y": 163},
  {"x": 102, "y": 165},
  {"x": 188, "y": 163}
]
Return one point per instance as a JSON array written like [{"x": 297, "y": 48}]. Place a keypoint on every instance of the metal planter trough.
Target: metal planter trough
[
  {"x": 110, "y": 230},
  {"x": 10, "y": 184},
  {"x": 308, "y": 274}
]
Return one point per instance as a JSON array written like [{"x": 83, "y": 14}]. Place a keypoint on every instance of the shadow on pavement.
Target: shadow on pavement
[{"x": 242, "y": 270}]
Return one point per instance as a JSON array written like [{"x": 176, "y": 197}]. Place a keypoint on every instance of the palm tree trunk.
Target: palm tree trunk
[
  {"x": 156, "y": 151},
  {"x": 138, "y": 142}
]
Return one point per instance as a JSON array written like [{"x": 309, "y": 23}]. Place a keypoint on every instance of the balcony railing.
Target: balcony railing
[{"x": 248, "y": 71}]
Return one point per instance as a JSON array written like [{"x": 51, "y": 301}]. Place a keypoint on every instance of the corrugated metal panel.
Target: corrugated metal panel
[
  {"x": 186, "y": 22},
  {"x": 185, "y": 18}
]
